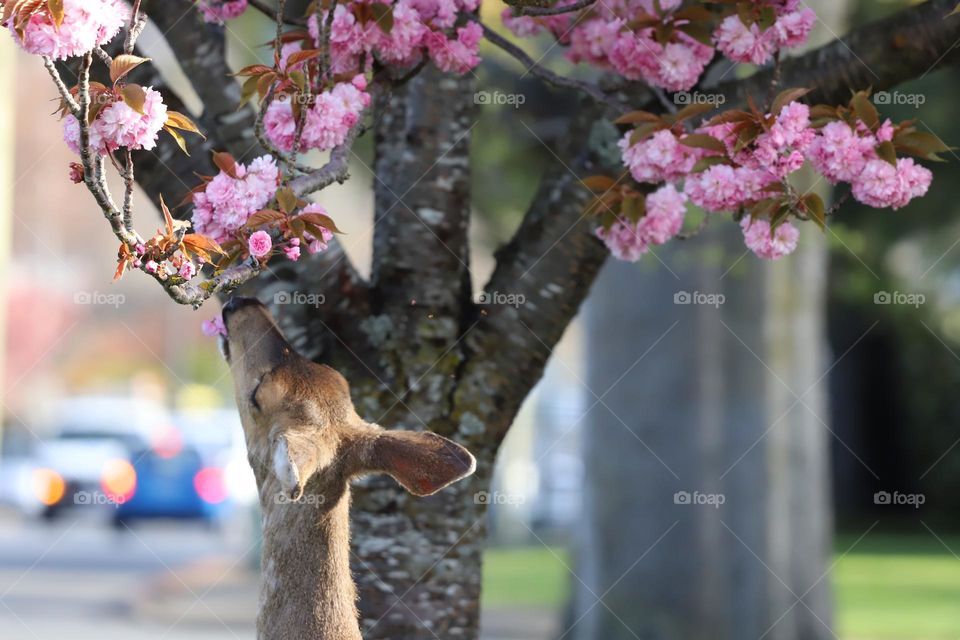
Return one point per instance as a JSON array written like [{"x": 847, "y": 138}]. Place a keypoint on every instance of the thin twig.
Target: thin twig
[
  {"x": 61, "y": 87},
  {"x": 549, "y": 76},
  {"x": 556, "y": 10}
]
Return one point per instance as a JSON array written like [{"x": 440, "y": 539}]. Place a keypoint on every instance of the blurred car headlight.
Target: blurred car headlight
[
  {"x": 118, "y": 480},
  {"x": 48, "y": 486}
]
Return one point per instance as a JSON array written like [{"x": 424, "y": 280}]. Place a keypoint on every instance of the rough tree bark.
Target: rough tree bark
[{"x": 418, "y": 352}]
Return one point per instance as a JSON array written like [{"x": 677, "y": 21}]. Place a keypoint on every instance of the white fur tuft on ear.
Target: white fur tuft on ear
[{"x": 286, "y": 471}]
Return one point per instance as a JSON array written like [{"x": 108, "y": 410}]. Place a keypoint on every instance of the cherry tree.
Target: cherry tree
[{"x": 709, "y": 112}]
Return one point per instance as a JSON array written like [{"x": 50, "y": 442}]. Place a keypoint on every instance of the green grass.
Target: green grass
[
  {"x": 888, "y": 587},
  {"x": 894, "y": 587},
  {"x": 525, "y": 577}
]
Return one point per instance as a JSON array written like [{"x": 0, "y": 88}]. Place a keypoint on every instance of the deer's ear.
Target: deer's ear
[
  {"x": 421, "y": 461},
  {"x": 296, "y": 457}
]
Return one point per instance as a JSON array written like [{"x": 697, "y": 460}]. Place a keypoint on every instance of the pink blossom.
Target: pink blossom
[
  {"x": 260, "y": 244},
  {"x": 781, "y": 149},
  {"x": 665, "y": 211},
  {"x": 793, "y": 28},
  {"x": 456, "y": 56},
  {"x": 119, "y": 125},
  {"x": 228, "y": 202},
  {"x": 839, "y": 153},
  {"x": 719, "y": 188},
  {"x": 328, "y": 121},
  {"x": 757, "y": 236},
  {"x": 593, "y": 41},
  {"x": 658, "y": 158},
  {"x": 881, "y": 184},
  {"x": 624, "y": 241},
  {"x": 87, "y": 24},
  {"x": 151, "y": 266},
  {"x": 316, "y": 245},
  {"x": 292, "y": 253},
  {"x": 214, "y": 327},
  {"x": 741, "y": 43},
  {"x": 76, "y": 172},
  {"x": 187, "y": 270},
  {"x": 218, "y": 11}
]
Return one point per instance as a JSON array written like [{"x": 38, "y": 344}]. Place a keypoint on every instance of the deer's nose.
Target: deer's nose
[{"x": 236, "y": 303}]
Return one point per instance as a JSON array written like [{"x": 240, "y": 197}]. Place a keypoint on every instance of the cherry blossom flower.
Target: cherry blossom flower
[
  {"x": 659, "y": 158},
  {"x": 218, "y": 11},
  {"x": 665, "y": 211},
  {"x": 882, "y": 184},
  {"x": 228, "y": 201},
  {"x": 624, "y": 241},
  {"x": 119, "y": 125},
  {"x": 260, "y": 244},
  {"x": 86, "y": 25},
  {"x": 459, "y": 55},
  {"x": 839, "y": 153},
  {"x": 757, "y": 236},
  {"x": 214, "y": 327}
]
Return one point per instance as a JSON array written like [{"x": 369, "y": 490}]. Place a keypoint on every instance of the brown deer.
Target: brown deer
[{"x": 305, "y": 442}]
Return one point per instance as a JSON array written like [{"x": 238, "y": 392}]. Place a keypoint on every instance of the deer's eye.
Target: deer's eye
[{"x": 253, "y": 398}]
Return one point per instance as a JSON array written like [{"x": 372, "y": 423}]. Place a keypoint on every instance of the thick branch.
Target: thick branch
[
  {"x": 542, "y": 276},
  {"x": 201, "y": 52}
]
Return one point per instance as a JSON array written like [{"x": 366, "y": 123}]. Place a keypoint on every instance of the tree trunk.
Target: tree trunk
[{"x": 712, "y": 422}]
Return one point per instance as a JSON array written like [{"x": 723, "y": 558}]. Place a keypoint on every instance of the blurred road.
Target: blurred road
[{"x": 77, "y": 578}]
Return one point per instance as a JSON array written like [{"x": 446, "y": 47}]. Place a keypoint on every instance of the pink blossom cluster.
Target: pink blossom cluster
[
  {"x": 769, "y": 246},
  {"x": 844, "y": 154},
  {"x": 747, "y": 173},
  {"x": 659, "y": 158},
  {"x": 420, "y": 27},
  {"x": 119, "y": 125},
  {"x": 317, "y": 245},
  {"x": 228, "y": 201},
  {"x": 328, "y": 122},
  {"x": 665, "y": 210},
  {"x": 86, "y": 25},
  {"x": 753, "y": 44},
  {"x": 218, "y": 11},
  {"x": 621, "y": 35}
]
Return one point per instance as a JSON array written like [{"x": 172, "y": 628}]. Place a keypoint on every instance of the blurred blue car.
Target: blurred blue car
[{"x": 174, "y": 484}]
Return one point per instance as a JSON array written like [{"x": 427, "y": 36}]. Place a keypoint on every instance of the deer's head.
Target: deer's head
[{"x": 301, "y": 426}]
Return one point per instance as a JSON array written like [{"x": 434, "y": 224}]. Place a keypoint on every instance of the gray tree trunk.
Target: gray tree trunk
[{"x": 708, "y": 410}]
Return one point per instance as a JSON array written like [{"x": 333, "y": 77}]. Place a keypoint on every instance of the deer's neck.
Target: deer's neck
[{"x": 307, "y": 590}]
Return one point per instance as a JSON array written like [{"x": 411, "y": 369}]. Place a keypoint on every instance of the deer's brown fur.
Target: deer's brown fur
[{"x": 305, "y": 442}]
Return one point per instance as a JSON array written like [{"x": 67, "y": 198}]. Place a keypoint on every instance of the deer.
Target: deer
[{"x": 305, "y": 443}]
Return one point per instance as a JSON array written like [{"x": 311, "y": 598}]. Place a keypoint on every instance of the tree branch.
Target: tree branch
[
  {"x": 201, "y": 52},
  {"x": 545, "y": 74},
  {"x": 882, "y": 54}
]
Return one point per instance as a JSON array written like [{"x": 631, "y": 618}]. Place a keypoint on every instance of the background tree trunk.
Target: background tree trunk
[{"x": 700, "y": 412}]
